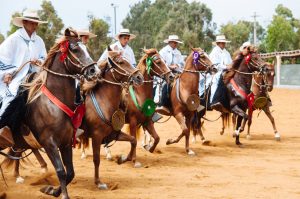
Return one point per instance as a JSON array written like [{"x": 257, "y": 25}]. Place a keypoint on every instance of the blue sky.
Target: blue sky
[{"x": 74, "y": 12}]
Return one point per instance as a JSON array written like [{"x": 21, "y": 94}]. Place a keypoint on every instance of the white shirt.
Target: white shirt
[
  {"x": 172, "y": 56},
  {"x": 220, "y": 57},
  {"x": 17, "y": 49},
  {"x": 126, "y": 52}
]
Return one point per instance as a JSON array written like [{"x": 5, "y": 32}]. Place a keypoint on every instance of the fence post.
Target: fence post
[{"x": 278, "y": 65}]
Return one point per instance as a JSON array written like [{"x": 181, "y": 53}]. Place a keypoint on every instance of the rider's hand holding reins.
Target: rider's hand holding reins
[{"x": 7, "y": 78}]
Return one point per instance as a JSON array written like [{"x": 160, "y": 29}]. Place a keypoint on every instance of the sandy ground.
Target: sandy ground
[{"x": 264, "y": 168}]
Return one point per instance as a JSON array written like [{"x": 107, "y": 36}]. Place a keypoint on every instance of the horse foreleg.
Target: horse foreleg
[
  {"x": 41, "y": 160},
  {"x": 271, "y": 118},
  {"x": 150, "y": 128},
  {"x": 53, "y": 154},
  {"x": 96, "y": 141},
  {"x": 185, "y": 132},
  {"x": 132, "y": 154}
]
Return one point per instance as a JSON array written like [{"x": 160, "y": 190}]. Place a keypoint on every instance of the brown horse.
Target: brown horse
[
  {"x": 51, "y": 126},
  {"x": 150, "y": 65},
  {"x": 239, "y": 88},
  {"x": 101, "y": 104},
  {"x": 186, "y": 85},
  {"x": 262, "y": 84}
]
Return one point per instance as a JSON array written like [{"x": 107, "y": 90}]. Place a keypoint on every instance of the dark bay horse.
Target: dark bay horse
[
  {"x": 261, "y": 86},
  {"x": 102, "y": 102},
  {"x": 185, "y": 86},
  {"x": 239, "y": 88},
  {"x": 35, "y": 111},
  {"x": 150, "y": 65}
]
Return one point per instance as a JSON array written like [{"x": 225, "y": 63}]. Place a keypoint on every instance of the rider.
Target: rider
[
  {"x": 174, "y": 60},
  {"x": 85, "y": 35},
  {"x": 20, "y": 47},
  {"x": 123, "y": 38},
  {"x": 221, "y": 58}
]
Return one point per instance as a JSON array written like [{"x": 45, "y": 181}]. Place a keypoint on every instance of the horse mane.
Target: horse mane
[
  {"x": 141, "y": 65},
  {"x": 34, "y": 87}
]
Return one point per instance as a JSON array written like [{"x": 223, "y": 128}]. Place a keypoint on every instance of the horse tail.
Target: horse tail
[
  {"x": 195, "y": 123},
  {"x": 138, "y": 132},
  {"x": 226, "y": 119},
  {"x": 10, "y": 163}
]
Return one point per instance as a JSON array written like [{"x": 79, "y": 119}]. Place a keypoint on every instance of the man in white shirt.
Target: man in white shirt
[
  {"x": 20, "y": 47},
  {"x": 222, "y": 59},
  {"x": 123, "y": 37},
  {"x": 174, "y": 60}
]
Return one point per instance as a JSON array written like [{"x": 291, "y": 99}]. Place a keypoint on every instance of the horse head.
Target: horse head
[
  {"x": 199, "y": 60},
  {"x": 155, "y": 65},
  {"x": 75, "y": 55},
  {"x": 121, "y": 69}
]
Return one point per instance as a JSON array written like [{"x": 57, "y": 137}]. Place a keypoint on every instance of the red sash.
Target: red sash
[
  {"x": 249, "y": 97},
  {"x": 76, "y": 116}
]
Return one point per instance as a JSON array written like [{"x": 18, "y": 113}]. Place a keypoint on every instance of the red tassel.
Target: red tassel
[
  {"x": 64, "y": 47},
  {"x": 248, "y": 58}
]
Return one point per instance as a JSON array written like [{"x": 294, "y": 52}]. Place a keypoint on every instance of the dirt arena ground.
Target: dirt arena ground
[{"x": 264, "y": 168}]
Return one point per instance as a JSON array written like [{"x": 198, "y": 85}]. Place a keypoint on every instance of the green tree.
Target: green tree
[
  {"x": 97, "y": 45},
  {"x": 1, "y": 38},
  {"x": 51, "y": 30},
  {"x": 283, "y": 30},
  {"x": 153, "y": 22},
  {"x": 239, "y": 33}
]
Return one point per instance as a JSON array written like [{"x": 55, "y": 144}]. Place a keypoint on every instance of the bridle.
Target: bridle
[
  {"x": 68, "y": 55},
  {"x": 118, "y": 69},
  {"x": 150, "y": 61},
  {"x": 197, "y": 61}
]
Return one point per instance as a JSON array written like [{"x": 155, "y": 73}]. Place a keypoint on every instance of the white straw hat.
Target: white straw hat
[
  {"x": 221, "y": 39},
  {"x": 174, "y": 38},
  {"x": 245, "y": 44},
  {"x": 28, "y": 15},
  {"x": 82, "y": 32},
  {"x": 125, "y": 32}
]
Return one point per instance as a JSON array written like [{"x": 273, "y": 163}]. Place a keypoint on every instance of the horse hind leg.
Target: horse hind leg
[
  {"x": 271, "y": 118},
  {"x": 41, "y": 160}
]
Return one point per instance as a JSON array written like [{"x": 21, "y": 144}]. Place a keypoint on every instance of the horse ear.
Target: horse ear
[
  {"x": 108, "y": 48},
  {"x": 193, "y": 49}
]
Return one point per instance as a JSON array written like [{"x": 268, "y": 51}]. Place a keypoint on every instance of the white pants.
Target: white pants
[{"x": 211, "y": 80}]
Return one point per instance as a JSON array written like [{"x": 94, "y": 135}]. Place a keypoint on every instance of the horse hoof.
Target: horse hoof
[
  {"x": 2, "y": 195},
  {"x": 205, "y": 142},
  {"x": 221, "y": 132},
  {"x": 102, "y": 186},
  {"x": 47, "y": 190},
  {"x": 193, "y": 140},
  {"x": 137, "y": 165},
  {"x": 109, "y": 157},
  {"x": 122, "y": 159},
  {"x": 169, "y": 141},
  {"x": 277, "y": 137},
  {"x": 147, "y": 147},
  {"x": 191, "y": 153},
  {"x": 234, "y": 135},
  {"x": 248, "y": 137},
  {"x": 44, "y": 170},
  {"x": 20, "y": 180},
  {"x": 83, "y": 156}
]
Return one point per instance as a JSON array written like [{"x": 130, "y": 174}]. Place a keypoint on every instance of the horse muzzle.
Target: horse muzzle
[{"x": 137, "y": 78}]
